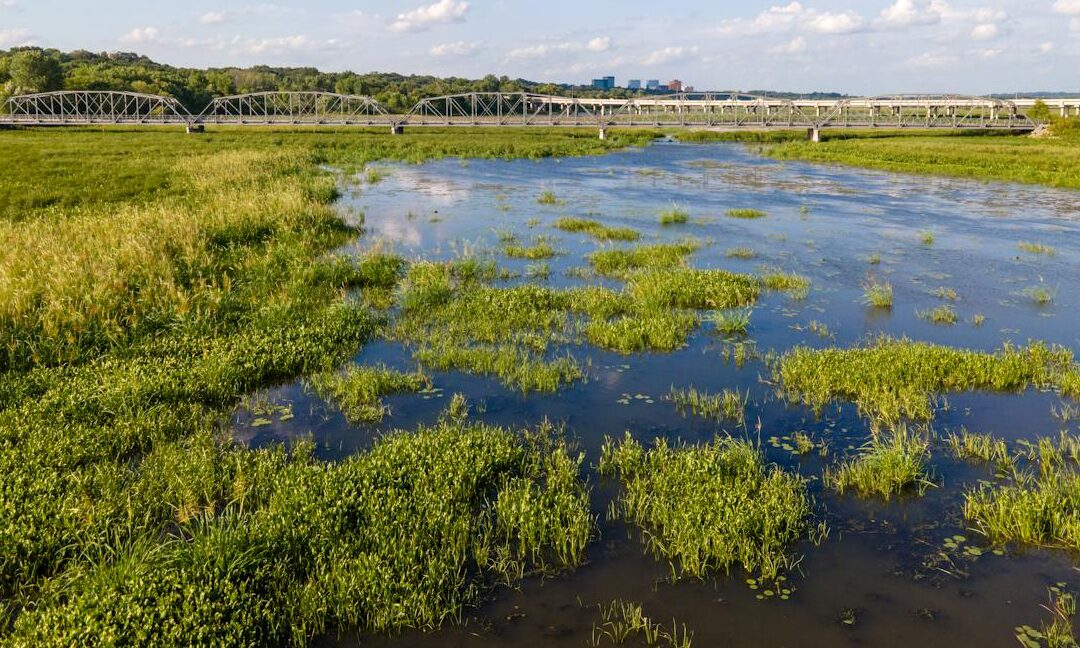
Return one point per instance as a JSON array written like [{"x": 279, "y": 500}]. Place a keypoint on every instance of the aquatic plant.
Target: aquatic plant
[
  {"x": 654, "y": 330},
  {"x": 728, "y": 405},
  {"x": 1036, "y": 248},
  {"x": 1059, "y": 632},
  {"x": 1041, "y": 294},
  {"x": 597, "y": 229},
  {"x": 890, "y": 379},
  {"x": 890, "y": 464},
  {"x": 618, "y": 262},
  {"x": 548, "y": 197},
  {"x": 742, "y": 253},
  {"x": 708, "y": 508},
  {"x": 794, "y": 284},
  {"x": 969, "y": 446},
  {"x": 947, "y": 294},
  {"x": 878, "y": 294},
  {"x": 675, "y": 216},
  {"x": 516, "y": 366},
  {"x": 691, "y": 288},
  {"x": 944, "y": 315},
  {"x": 358, "y": 389},
  {"x": 541, "y": 250},
  {"x": 927, "y": 237},
  {"x": 747, "y": 214},
  {"x": 732, "y": 321},
  {"x": 622, "y": 621}
]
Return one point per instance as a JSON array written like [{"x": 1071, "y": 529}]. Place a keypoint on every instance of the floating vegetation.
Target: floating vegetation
[
  {"x": 621, "y": 621},
  {"x": 1059, "y": 632},
  {"x": 707, "y": 508},
  {"x": 798, "y": 444},
  {"x": 747, "y": 214},
  {"x": 516, "y": 366},
  {"x": 655, "y": 257},
  {"x": 358, "y": 390},
  {"x": 538, "y": 271},
  {"x": 675, "y": 216},
  {"x": 978, "y": 319},
  {"x": 735, "y": 321},
  {"x": 893, "y": 463},
  {"x": 874, "y": 259},
  {"x": 942, "y": 315},
  {"x": 548, "y": 197},
  {"x": 927, "y": 238},
  {"x": 742, "y": 253},
  {"x": 729, "y": 405},
  {"x": 1036, "y": 248},
  {"x": 597, "y": 229},
  {"x": 891, "y": 379}
]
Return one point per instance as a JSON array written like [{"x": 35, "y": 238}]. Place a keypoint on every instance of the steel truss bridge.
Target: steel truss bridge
[{"x": 710, "y": 110}]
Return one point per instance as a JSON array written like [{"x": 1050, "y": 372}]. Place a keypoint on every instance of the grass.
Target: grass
[
  {"x": 708, "y": 508},
  {"x": 358, "y": 390},
  {"x": 941, "y": 315},
  {"x": 893, "y": 463},
  {"x": 878, "y": 294},
  {"x": 794, "y": 284},
  {"x": 1047, "y": 161},
  {"x": 892, "y": 379},
  {"x": 948, "y": 294},
  {"x": 745, "y": 214},
  {"x": 1040, "y": 295},
  {"x": 548, "y": 197},
  {"x": 728, "y": 405},
  {"x": 517, "y": 367},
  {"x": 597, "y": 229},
  {"x": 675, "y": 216},
  {"x": 741, "y": 253},
  {"x": 927, "y": 238},
  {"x": 622, "y": 621},
  {"x": 539, "y": 251},
  {"x": 149, "y": 283},
  {"x": 1059, "y": 632},
  {"x": 971, "y": 446},
  {"x": 732, "y": 321},
  {"x": 691, "y": 288},
  {"x": 618, "y": 262},
  {"x": 1036, "y": 248}
]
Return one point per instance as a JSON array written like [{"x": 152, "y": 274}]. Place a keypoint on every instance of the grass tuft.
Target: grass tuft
[
  {"x": 597, "y": 230},
  {"x": 358, "y": 389},
  {"x": 746, "y": 214},
  {"x": 675, "y": 216},
  {"x": 892, "y": 463}
]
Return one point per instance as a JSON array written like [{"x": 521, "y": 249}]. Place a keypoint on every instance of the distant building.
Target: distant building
[
  {"x": 675, "y": 85},
  {"x": 634, "y": 84},
  {"x": 688, "y": 88},
  {"x": 652, "y": 84},
  {"x": 606, "y": 83}
]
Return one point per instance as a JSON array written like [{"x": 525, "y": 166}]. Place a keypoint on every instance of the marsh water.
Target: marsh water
[{"x": 883, "y": 577}]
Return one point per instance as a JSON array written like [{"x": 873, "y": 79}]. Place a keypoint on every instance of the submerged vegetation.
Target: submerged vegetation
[
  {"x": 708, "y": 508},
  {"x": 746, "y": 214}
]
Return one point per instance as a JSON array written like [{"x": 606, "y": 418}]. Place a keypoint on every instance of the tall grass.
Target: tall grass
[
  {"x": 728, "y": 405},
  {"x": 708, "y": 508},
  {"x": 597, "y": 229},
  {"x": 893, "y": 463},
  {"x": 358, "y": 389}
]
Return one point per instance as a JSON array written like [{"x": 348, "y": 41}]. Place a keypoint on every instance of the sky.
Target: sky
[{"x": 864, "y": 47}]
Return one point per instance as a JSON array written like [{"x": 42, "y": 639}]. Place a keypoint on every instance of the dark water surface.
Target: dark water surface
[{"x": 883, "y": 566}]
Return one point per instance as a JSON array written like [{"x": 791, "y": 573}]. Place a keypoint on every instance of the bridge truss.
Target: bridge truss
[{"x": 717, "y": 111}]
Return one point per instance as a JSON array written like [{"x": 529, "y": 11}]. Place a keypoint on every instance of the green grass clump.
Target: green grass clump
[
  {"x": 1059, "y": 632},
  {"x": 518, "y": 367},
  {"x": 971, "y": 446},
  {"x": 541, "y": 250},
  {"x": 746, "y": 214},
  {"x": 791, "y": 283},
  {"x": 732, "y": 321},
  {"x": 548, "y": 197},
  {"x": 675, "y": 216},
  {"x": 653, "y": 330},
  {"x": 1036, "y": 248},
  {"x": 878, "y": 294},
  {"x": 691, "y": 288},
  {"x": 622, "y": 621},
  {"x": 655, "y": 257},
  {"x": 926, "y": 237},
  {"x": 892, "y": 463},
  {"x": 948, "y": 294},
  {"x": 1038, "y": 511},
  {"x": 1040, "y": 294},
  {"x": 597, "y": 229},
  {"x": 707, "y": 508},
  {"x": 891, "y": 379},
  {"x": 943, "y": 315},
  {"x": 741, "y": 253},
  {"x": 358, "y": 390},
  {"x": 728, "y": 405}
]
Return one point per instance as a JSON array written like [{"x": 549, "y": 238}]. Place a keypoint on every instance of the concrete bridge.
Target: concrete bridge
[{"x": 705, "y": 110}]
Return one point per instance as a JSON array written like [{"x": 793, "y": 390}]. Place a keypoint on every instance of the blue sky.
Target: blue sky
[{"x": 854, "y": 46}]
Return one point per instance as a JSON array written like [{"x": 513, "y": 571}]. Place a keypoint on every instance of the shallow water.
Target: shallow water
[{"x": 877, "y": 567}]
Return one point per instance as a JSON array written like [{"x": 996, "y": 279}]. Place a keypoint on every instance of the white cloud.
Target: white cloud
[
  {"x": 1074, "y": 25},
  {"x": 906, "y": 13},
  {"x": 10, "y": 4},
  {"x": 932, "y": 60},
  {"x": 284, "y": 44},
  {"x": 1046, "y": 47},
  {"x": 669, "y": 55},
  {"x": 421, "y": 18},
  {"x": 988, "y": 53},
  {"x": 14, "y": 37},
  {"x": 140, "y": 35},
  {"x": 599, "y": 44},
  {"x": 1067, "y": 7},
  {"x": 794, "y": 46},
  {"x": 985, "y": 31},
  {"x": 213, "y": 17},
  {"x": 460, "y": 48},
  {"x": 840, "y": 23}
]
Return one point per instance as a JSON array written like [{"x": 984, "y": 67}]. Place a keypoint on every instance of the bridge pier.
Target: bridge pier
[
  {"x": 603, "y": 133},
  {"x": 397, "y": 129},
  {"x": 813, "y": 134},
  {"x": 194, "y": 128}
]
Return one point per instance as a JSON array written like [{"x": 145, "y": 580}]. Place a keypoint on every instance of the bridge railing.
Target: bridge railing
[{"x": 295, "y": 108}]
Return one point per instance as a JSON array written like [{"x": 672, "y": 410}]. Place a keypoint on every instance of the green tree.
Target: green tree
[
  {"x": 1040, "y": 112},
  {"x": 33, "y": 70}
]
